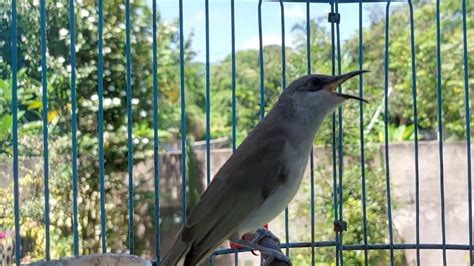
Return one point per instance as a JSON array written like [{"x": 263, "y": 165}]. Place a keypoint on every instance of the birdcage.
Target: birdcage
[{"x": 448, "y": 249}]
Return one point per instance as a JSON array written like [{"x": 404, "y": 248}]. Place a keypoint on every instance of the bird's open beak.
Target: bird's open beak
[{"x": 334, "y": 82}]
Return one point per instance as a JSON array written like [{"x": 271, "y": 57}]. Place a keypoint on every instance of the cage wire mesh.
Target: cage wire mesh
[{"x": 336, "y": 244}]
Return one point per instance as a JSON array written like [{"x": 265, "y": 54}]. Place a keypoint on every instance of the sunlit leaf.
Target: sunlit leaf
[
  {"x": 52, "y": 115},
  {"x": 35, "y": 105}
]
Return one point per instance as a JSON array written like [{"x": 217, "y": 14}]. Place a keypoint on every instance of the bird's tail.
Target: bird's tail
[{"x": 177, "y": 252}]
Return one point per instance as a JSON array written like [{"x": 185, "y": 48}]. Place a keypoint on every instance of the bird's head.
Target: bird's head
[{"x": 318, "y": 92}]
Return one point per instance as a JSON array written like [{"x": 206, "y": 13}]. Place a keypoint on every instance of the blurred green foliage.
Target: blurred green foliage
[
  {"x": 400, "y": 115},
  {"x": 59, "y": 107}
]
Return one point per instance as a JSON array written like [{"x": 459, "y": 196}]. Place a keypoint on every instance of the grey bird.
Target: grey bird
[{"x": 263, "y": 175}]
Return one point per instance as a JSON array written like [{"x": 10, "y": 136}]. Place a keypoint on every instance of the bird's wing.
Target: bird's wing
[{"x": 240, "y": 187}]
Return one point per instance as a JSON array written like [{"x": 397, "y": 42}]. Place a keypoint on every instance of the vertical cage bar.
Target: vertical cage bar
[
  {"x": 156, "y": 154},
  {"x": 72, "y": 31},
  {"x": 283, "y": 86},
  {"x": 208, "y": 105},
  {"x": 415, "y": 122},
  {"x": 261, "y": 63},
  {"x": 208, "y": 99},
  {"x": 362, "y": 138},
  {"x": 131, "y": 235},
  {"x": 333, "y": 144},
  {"x": 234, "y": 103},
  {"x": 44, "y": 79},
  {"x": 468, "y": 125},
  {"x": 103, "y": 235},
  {"x": 311, "y": 158},
  {"x": 16, "y": 202},
  {"x": 183, "y": 113},
  {"x": 440, "y": 129},
  {"x": 340, "y": 135},
  {"x": 387, "y": 155},
  {"x": 262, "y": 71}
]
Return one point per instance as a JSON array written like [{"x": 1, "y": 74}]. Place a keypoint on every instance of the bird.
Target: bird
[{"x": 264, "y": 173}]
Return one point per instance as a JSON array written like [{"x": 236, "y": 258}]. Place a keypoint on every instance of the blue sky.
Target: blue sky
[{"x": 246, "y": 22}]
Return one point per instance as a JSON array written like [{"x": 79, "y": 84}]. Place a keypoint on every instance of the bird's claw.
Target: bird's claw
[
  {"x": 268, "y": 245},
  {"x": 262, "y": 233},
  {"x": 271, "y": 256}
]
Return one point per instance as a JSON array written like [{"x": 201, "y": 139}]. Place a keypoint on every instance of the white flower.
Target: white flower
[
  {"x": 94, "y": 97},
  {"x": 116, "y": 101},
  {"x": 107, "y": 101},
  {"x": 84, "y": 13},
  {"x": 63, "y": 32}
]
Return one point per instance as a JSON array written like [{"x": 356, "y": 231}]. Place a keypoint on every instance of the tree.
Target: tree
[{"x": 59, "y": 117}]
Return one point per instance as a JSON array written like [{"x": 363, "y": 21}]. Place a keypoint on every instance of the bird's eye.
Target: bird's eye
[{"x": 315, "y": 84}]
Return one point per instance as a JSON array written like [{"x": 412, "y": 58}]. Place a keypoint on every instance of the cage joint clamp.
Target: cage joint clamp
[
  {"x": 340, "y": 226},
  {"x": 334, "y": 17}
]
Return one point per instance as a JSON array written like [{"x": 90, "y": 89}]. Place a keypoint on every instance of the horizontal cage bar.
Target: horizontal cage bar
[
  {"x": 322, "y": 244},
  {"x": 339, "y": 2}
]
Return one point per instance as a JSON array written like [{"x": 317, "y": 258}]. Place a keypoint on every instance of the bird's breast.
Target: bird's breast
[{"x": 281, "y": 196}]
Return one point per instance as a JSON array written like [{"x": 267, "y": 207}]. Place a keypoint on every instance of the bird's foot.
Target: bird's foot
[
  {"x": 263, "y": 233},
  {"x": 269, "y": 249},
  {"x": 262, "y": 237},
  {"x": 275, "y": 257}
]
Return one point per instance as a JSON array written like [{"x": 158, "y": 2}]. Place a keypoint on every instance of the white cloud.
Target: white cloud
[{"x": 268, "y": 39}]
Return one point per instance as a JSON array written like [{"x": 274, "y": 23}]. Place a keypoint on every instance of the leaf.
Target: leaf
[
  {"x": 399, "y": 132},
  {"x": 3, "y": 84},
  {"x": 20, "y": 114},
  {"x": 6, "y": 123},
  {"x": 409, "y": 131},
  {"x": 35, "y": 105},
  {"x": 32, "y": 125},
  {"x": 52, "y": 115},
  {"x": 6, "y": 90},
  {"x": 381, "y": 136}
]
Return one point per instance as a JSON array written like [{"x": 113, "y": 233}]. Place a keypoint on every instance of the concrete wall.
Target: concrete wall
[{"x": 402, "y": 174}]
